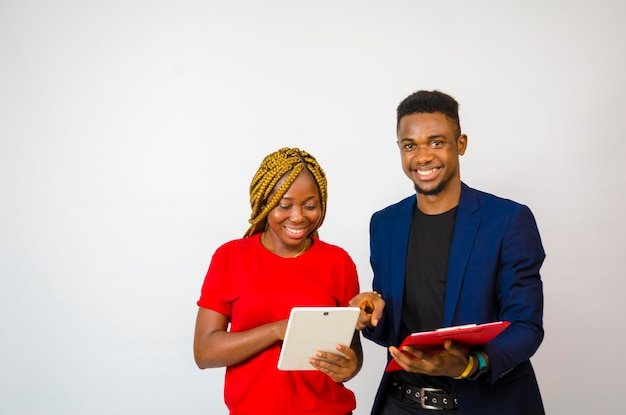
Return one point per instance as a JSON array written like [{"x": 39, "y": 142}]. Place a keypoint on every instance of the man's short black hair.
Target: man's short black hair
[{"x": 429, "y": 102}]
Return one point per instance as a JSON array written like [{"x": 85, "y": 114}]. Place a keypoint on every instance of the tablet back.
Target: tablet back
[{"x": 315, "y": 328}]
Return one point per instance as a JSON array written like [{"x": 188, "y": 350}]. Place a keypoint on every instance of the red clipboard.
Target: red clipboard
[{"x": 468, "y": 335}]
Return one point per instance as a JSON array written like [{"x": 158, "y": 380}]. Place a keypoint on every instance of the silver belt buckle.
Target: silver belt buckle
[{"x": 423, "y": 400}]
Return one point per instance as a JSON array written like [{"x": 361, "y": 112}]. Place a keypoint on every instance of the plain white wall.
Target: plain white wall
[{"x": 129, "y": 132}]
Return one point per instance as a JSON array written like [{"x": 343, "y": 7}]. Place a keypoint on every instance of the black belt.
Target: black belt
[{"x": 428, "y": 398}]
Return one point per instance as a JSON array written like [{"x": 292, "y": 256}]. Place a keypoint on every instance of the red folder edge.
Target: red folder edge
[{"x": 468, "y": 335}]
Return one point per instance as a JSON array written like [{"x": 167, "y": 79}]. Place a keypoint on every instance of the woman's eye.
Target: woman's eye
[
  {"x": 284, "y": 207},
  {"x": 310, "y": 207}
]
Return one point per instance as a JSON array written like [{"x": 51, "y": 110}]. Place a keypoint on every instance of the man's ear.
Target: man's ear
[{"x": 461, "y": 144}]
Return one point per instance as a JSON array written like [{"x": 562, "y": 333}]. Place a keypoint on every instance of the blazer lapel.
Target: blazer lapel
[
  {"x": 401, "y": 227},
  {"x": 465, "y": 230}
]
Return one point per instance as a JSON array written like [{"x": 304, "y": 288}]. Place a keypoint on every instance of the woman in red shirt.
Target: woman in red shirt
[{"x": 252, "y": 284}]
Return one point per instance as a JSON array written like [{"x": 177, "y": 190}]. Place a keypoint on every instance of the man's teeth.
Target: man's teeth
[{"x": 426, "y": 172}]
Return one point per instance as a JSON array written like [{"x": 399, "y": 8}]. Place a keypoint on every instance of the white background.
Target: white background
[{"x": 130, "y": 130}]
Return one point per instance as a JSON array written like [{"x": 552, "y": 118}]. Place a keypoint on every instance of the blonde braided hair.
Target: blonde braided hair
[{"x": 284, "y": 162}]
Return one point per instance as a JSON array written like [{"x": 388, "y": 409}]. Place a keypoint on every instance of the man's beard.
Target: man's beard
[{"x": 434, "y": 191}]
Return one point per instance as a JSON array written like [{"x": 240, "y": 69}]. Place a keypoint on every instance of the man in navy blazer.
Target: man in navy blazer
[{"x": 452, "y": 255}]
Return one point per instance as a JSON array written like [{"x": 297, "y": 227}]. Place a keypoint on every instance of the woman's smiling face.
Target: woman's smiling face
[{"x": 295, "y": 217}]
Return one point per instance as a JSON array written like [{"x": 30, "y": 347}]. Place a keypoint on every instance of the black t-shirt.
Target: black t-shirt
[{"x": 425, "y": 283}]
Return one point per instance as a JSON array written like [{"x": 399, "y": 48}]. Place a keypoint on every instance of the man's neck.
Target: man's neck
[{"x": 441, "y": 202}]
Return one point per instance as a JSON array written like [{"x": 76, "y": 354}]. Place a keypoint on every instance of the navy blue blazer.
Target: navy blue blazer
[{"x": 493, "y": 275}]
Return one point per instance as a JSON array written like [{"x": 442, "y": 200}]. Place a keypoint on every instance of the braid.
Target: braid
[{"x": 287, "y": 162}]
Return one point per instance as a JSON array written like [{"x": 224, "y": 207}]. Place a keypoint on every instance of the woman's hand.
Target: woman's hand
[{"x": 341, "y": 368}]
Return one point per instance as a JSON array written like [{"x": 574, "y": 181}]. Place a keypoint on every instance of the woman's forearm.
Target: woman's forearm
[{"x": 223, "y": 348}]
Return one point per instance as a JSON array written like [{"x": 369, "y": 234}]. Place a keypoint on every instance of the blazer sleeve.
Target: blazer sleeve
[
  {"x": 383, "y": 333},
  {"x": 519, "y": 294}
]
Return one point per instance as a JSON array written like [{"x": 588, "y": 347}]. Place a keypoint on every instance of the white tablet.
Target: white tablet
[{"x": 315, "y": 328}]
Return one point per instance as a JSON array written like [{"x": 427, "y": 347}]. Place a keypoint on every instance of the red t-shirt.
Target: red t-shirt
[{"x": 253, "y": 286}]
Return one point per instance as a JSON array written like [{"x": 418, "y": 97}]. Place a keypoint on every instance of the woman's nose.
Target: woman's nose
[{"x": 296, "y": 214}]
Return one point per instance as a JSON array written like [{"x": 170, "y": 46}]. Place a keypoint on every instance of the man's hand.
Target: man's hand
[
  {"x": 450, "y": 361},
  {"x": 371, "y": 305}
]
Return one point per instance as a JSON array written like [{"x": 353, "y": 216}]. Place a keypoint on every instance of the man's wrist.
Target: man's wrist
[
  {"x": 482, "y": 367},
  {"x": 471, "y": 363}
]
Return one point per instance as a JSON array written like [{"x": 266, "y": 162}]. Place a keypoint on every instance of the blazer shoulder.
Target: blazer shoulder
[
  {"x": 477, "y": 199},
  {"x": 405, "y": 205}
]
